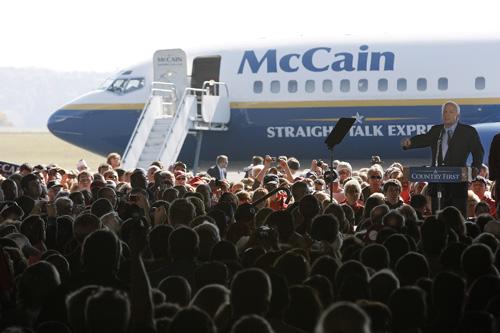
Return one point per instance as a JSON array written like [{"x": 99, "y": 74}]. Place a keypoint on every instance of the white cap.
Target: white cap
[{"x": 81, "y": 165}]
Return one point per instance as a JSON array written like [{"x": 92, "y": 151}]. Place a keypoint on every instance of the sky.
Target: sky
[{"x": 107, "y": 35}]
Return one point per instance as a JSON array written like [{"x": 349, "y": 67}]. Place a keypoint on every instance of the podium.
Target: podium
[
  {"x": 442, "y": 174},
  {"x": 439, "y": 176}
]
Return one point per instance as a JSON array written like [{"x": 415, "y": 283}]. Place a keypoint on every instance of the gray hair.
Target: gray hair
[
  {"x": 452, "y": 103},
  {"x": 344, "y": 165}
]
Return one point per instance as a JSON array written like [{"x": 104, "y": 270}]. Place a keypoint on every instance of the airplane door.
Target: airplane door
[
  {"x": 170, "y": 67},
  {"x": 205, "y": 69}
]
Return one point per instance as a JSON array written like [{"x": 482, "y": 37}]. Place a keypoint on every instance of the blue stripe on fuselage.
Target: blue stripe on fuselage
[{"x": 299, "y": 131}]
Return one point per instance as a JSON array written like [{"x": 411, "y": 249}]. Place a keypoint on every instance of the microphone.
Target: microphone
[
  {"x": 440, "y": 138},
  {"x": 438, "y": 147}
]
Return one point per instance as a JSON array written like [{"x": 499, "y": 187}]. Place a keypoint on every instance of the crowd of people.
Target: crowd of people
[{"x": 288, "y": 248}]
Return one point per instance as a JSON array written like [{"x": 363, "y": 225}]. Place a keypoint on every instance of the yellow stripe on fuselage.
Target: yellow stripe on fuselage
[
  {"x": 103, "y": 106},
  {"x": 365, "y": 103}
]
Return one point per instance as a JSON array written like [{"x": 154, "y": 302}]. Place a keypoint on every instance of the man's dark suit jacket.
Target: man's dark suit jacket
[
  {"x": 214, "y": 172},
  {"x": 494, "y": 163},
  {"x": 465, "y": 141},
  {"x": 494, "y": 158}
]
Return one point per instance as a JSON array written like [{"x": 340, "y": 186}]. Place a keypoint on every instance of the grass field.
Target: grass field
[{"x": 43, "y": 148}]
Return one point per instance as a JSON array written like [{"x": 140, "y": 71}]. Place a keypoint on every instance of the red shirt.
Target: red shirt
[
  {"x": 358, "y": 210},
  {"x": 492, "y": 204},
  {"x": 277, "y": 202}
]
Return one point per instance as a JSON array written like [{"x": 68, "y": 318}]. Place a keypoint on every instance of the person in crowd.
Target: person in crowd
[
  {"x": 140, "y": 254},
  {"x": 479, "y": 187},
  {"x": 374, "y": 176},
  {"x": 114, "y": 159},
  {"x": 352, "y": 191},
  {"x": 345, "y": 171},
  {"x": 84, "y": 178},
  {"x": 256, "y": 160},
  {"x": 392, "y": 191},
  {"x": 218, "y": 171}
]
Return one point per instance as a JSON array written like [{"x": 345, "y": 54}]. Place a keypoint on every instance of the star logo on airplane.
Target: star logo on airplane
[{"x": 359, "y": 118}]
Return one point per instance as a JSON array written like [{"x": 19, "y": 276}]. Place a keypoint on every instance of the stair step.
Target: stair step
[
  {"x": 150, "y": 150},
  {"x": 160, "y": 128},
  {"x": 163, "y": 121},
  {"x": 156, "y": 135},
  {"x": 154, "y": 142},
  {"x": 151, "y": 156}
]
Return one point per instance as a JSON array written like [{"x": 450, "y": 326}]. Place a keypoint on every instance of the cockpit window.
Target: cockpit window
[
  {"x": 117, "y": 85},
  {"x": 134, "y": 84},
  {"x": 123, "y": 86},
  {"x": 106, "y": 84}
]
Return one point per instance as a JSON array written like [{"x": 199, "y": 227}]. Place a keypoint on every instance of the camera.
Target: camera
[
  {"x": 330, "y": 176},
  {"x": 319, "y": 163},
  {"x": 376, "y": 160}
]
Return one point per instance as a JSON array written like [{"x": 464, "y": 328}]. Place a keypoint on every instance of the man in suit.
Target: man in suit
[
  {"x": 219, "y": 171},
  {"x": 494, "y": 164},
  {"x": 451, "y": 143}
]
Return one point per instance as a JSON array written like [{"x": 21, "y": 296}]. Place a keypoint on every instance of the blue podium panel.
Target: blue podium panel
[{"x": 438, "y": 174}]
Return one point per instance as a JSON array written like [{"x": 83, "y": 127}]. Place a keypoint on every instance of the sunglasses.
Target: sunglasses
[
  {"x": 181, "y": 178},
  {"x": 375, "y": 177}
]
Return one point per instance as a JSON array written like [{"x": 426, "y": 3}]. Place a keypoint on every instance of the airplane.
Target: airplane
[{"x": 284, "y": 99}]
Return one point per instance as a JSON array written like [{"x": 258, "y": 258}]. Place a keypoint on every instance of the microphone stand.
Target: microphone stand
[
  {"x": 330, "y": 184},
  {"x": 436, "y": 164}
]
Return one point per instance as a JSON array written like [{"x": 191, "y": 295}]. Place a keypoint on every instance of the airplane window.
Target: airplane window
[
  {"x": 310, "y": 86},
  {"x": 292, "y": 86},
  {"x": 443, "y": 83},
  {"x": 345, "y": 85},
  {"x": 480, "y": 83},
  {"x": 275, "y": 86},
  {"x": 134, "y": 84},
  {"x": 327, "y": 86},
  {"x": 383, "y": 85},
  {"x": 257, "y": 87},
  {"x": 363, "y": 85},
  {"x": 117, "y": 85},
  {"x": 106, "y": 84},
  {"x": 421, "y": 84},
  {"x": 401, "y": 84}
]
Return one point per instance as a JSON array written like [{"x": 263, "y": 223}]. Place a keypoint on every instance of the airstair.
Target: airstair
[{"x": 169, "y": 116}]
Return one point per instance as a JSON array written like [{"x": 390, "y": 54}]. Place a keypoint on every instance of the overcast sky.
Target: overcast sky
[{"x": 106, "y": 35}]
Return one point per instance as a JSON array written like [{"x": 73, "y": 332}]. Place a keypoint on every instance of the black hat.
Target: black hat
[
  {"x": 271, "y": 179},
  {"x": 54, "y": 183},
  {"x": 311, "y": 174}
]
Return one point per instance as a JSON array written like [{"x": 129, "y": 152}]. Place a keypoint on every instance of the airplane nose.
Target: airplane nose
[
  {"x": 52, "y": 122},
  {"x": 64, "y": 122}
]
